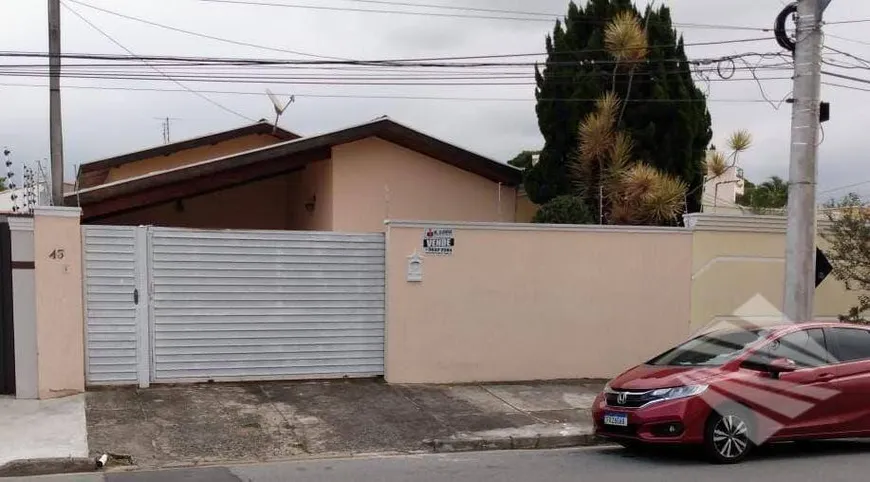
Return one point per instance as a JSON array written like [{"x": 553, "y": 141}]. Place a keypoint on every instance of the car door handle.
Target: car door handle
[{"x": 825, "y": 376}]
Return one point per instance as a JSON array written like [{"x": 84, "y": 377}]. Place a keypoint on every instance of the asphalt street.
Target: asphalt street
[{"x": 830, "y": 461}]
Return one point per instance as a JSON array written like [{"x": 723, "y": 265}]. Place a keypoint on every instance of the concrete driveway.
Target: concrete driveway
[{"x": 215, "y": 423}]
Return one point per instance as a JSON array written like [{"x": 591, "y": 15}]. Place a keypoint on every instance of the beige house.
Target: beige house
[{"x": 263, "y": 177}]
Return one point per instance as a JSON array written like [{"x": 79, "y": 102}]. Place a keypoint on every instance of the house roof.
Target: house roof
[
  {"x": 235, "y": 169},
  {"x": 93, "y": 172}
]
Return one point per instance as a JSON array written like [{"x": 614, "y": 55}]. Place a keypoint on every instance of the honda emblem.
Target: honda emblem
[{"x": 620, "y": 398}]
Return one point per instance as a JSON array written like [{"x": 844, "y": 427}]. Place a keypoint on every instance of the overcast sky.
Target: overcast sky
[{"x": 101, "y": 123}]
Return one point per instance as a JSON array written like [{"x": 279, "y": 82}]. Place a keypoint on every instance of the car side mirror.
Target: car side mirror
[
  {"x": 781, "y": 365},
  {"x": 774, "y": 367}
]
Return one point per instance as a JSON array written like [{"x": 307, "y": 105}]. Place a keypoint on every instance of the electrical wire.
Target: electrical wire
[
  {"x": 434, "y": 62},
  {"x": 466, "y": 9},
  {"x": 847, "y": 54},
  {"x": 846, "y": 77},
  {"x": 844, "y": 22},
  {"x": 841, "y": 188},
  {"x": 324, "y": 81},
  {"x": 390, "y": 96},
  {"x": 382, "y": 11},
  {"x": 365, "y": 78},
  {"x": 305, "y": 54},
  {"x": 469, "y": 16},
  {"x": 202, "y": 35},
  {"x": 844, "y": 86},
  {"x": 202, "y": 96},
  {"x": 838, "y": 37}
]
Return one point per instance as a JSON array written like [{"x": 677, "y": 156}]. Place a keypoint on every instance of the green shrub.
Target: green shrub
[{"x": 564, "y": 210}]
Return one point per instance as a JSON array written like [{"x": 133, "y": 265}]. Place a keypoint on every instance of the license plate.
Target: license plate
[{"x": 617, "y": 419}]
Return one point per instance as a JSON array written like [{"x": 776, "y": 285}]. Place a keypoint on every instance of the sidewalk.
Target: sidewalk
[
  {"x": 194, "y": 424},
  {"x": 42, "y": 429}
]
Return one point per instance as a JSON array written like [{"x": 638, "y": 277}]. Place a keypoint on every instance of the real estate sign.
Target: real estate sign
[{"x": 438, "y": 241}]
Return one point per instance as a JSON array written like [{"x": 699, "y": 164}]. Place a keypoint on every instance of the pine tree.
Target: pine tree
[{"x": 671, "y": 130}]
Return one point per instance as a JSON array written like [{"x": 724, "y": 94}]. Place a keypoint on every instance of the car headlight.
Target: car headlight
[
  {"x": 677, "y": 392},
  {"x": 607, "y": 388}
]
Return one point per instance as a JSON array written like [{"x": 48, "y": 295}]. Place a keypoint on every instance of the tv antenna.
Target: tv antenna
[
  {"x": 276, "y": 103},
  {"x": 166, "y": 121}
]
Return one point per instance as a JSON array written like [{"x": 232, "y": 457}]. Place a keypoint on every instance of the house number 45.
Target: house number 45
[{"x": 57, "y": 254}]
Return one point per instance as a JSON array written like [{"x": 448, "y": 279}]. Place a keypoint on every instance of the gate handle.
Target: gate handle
[{"x": 136, "y": 296}]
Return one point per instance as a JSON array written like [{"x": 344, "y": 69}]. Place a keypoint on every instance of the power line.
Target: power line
[
  {"x": 305, "y": 54},
  {"x": 846, "y": 77},
  {"x": 321, "y": 82},
  {"x": 432, "y": 62},
  {"x": 847, "y": 54},
  {"x": 390, "y": 97},
  {"x": 844, "y": 86},
  {"x": 357, "y": 79},
  {"x": 360, "y": 77},
  {"x": 456, "y": 15},
  {"x": 585, "y": 51},
  {"x": 202, "y": 35},
  {"x": 464, "y": 9},
  {"x": 847, "y": 39},
  {"x": 844, "y": 22},
  {"x": 841, "y": 188},
  {"x": 202, "y": 96},
  {"x": 559, "y": 16},
  {"x": 380, "y": 11}
]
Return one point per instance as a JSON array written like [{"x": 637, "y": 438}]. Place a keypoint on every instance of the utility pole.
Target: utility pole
[
  {"x": 803, "y": 169},
  {"x": 55, "y": 120}
]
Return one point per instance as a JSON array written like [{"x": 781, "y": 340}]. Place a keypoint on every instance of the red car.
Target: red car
[{"x": 732, "y": 389}]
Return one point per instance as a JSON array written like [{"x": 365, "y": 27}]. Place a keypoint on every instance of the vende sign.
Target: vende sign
[{"x": 438, "y": 241}]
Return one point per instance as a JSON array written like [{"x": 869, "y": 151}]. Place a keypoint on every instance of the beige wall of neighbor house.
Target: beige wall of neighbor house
[
  {"x": 738, "y": 271},
  {"x": 526, "y": 209},
  {"x": 521, "y": 302},
  {"x": 374, "y": 180},
  {"x": 190, "y": 156},
  {"x": 59, "y": 311}
]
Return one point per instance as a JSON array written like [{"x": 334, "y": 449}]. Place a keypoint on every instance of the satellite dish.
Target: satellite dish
[{"x": 279, "y": 107}]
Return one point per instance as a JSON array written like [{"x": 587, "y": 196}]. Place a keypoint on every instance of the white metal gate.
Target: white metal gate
[
  {"x": 110, "y": 285},
  {"x": 237, "y": 305}
]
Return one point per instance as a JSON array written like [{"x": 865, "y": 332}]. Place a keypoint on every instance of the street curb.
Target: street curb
[
  {"x": 31, "y": 467},
  {"x": 535, "y": 442}
]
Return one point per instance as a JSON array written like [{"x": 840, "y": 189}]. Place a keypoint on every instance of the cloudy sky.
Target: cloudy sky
[{"x": 101, "y": 123}]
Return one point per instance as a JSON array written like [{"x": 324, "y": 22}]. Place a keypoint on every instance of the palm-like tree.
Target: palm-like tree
[
  {"x": 604, "y": 170},
  {"x": 768, "y": 196}
]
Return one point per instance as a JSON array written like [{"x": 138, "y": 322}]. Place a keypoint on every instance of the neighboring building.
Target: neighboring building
[
  {"x": 7, "y": 203},
  {"x": 261, "y": 177},
  {"x": 720, "y": 192}
]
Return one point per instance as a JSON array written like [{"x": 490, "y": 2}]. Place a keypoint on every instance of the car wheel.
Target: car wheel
[{"x": 727, "y": 437}]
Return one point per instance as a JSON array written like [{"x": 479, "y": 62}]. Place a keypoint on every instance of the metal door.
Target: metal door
[
  {"x": 256, "y": 305},
  {"x": 7, "y": 343},
  {"x": 113, "y": 280}
]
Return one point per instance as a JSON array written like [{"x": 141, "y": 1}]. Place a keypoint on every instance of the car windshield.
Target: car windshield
[{"x": 710, "y": 349}]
